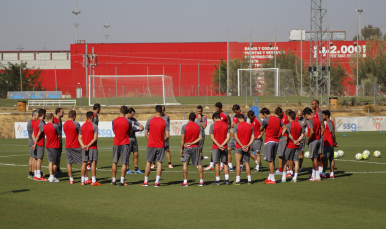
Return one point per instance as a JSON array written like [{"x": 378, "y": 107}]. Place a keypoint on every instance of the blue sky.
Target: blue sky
[{"x": 50, "y": 22}]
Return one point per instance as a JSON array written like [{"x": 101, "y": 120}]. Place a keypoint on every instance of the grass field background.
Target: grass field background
[
  {"x": 242, "y": 100},
  {"x": 354, "y": 199}
]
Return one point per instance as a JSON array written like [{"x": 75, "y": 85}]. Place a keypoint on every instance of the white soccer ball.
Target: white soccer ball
[
  {"x": 366, "y": 152},
  {"x": 307, "y": 154},
  {"x": 340, "y": 153},
  {"x": 365, "y": 156},
  {"x": 358, "y": 156},
  {"x": 336, "y": 155},
  {"x": 377, "y": 154}
]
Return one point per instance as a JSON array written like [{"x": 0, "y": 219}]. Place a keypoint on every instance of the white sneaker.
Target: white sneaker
[
  {"x": 54, "y": 179},
  {"x": 208, "y": 168},
  {"x": 256, "y": 169},
  {"x": 283, "y": 180},
  {"x": 294, "y": 180}
]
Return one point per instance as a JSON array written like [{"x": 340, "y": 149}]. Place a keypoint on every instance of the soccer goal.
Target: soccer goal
[
  {"x": 266, "y": 82},
  {"x": 131, "y": 90}
]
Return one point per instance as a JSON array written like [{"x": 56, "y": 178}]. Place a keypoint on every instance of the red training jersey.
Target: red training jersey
[
  {"x": 329, "y": 129},
  {"x": 295, "y": 129},
  {"x": 314, "y": 123},
  {"x": 121, "y": 128},
  {"x": 256, "y": 124},
  {"x": 272, "y": 127},
  {"x": 244, "y": 132},
  {"x": 157, "y": 128},
  {"x": 285, "y": 121},
  {"x": 87, "y": 131},
  {"x": 191, "y": 131},
  {"x": 38, "y": 127},
  {"x": 52, "y": 131},
  {"x": 71, "y": 130},
  {"x": 220, "y": 131}
]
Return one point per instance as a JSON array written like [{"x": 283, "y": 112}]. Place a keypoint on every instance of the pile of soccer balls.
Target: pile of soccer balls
[
  {"x": 366, "y": 154},
  {"x": 337, "y": 154}
]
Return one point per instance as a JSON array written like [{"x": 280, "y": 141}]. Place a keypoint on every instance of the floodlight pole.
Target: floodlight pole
[
  {"x": 250, "y": 64},
  {"x": 275, "y": 48},
  {"x": 179, "y": 91},
  {"x": 56, "y": 84},
  {"x": 116, "y": 83},
  {"x": 76, "y": 12},
  {"x": 198, "y": 79},
  {"x": 357, "y": 46},
  {"x": 107, "y": 34},
  {"x": 21, "y": 80},
  {"x": 301, "y": 60},
  {"x": 228, "y": 65}
]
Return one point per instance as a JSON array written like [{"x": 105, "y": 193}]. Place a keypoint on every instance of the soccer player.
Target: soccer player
[
  {"x": 191, "y": 135},
  {"x": 59, "y": 112},
  {"x": 52, "y": 131},
  {"x": 72, "y": 148},
  {"x": 155, "y": 130},
  {"x": 95, "y": 120},
  {"x": 329, "y": 143},
  {"x": 294, "y": 135},
  {"x": 88, "y": 138},
  {"x": 220, "y": 135},
  {"x": 122, "y": 128},
  {"x": 314, "y": 130},
  {"x": 31, "y": 139},
  {"x": 258, "y": 141},
  {"x": 282, "y": 140},
  {"x": 133, "y": 140},
  {"x": 318, "y": 115},
  {"x": 227, "y": 120},
  {"x": 272, "y": 126},
  {"x": 201, "y": 120},
  {"x": 39, "y": 144},
  {"x": 244, "y": 136},
  {"x": 232, "y": 143},
  {"x": 303, "y": 123},
  {"x": 168, "y": 155}
]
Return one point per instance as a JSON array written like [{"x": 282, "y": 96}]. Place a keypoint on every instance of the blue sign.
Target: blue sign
[{"x": 34, "y": 95}]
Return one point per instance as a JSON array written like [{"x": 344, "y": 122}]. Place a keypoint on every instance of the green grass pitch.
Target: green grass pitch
[{"x": 354, "y": 199}]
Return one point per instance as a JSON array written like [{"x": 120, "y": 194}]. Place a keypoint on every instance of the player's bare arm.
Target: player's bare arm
[
  {"x": 182, "y": 144},
  {"x": 296, "y": 142},
  {"x": 141, "y": 127},
  {"x": 167, "y": 136},
  {"x": 195, "y": 141},
  {"x": 226, "y": 141},
  {"x": 147, "y": 134},
  {"x": 92, "y": 141},
  {"x": 322, "y": 129},
  {"x": 215, "y": 141},
  {"x": 80, "y": 139},
  {"x": 238, "y": 141},
  {"x": 310, "y": 135},
  {"x": 284, "y": 130},
  {"x": 249, "y": 143}
]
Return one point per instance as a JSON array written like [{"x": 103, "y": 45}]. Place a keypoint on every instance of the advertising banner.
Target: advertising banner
[
  {"x": 105, "y": 129},
  {"x": 34, "y": 95},
  {"x": 345, "y": 124}
]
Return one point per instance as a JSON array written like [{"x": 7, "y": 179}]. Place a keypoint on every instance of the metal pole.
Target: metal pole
[
  {"x": 275, "y": 48},
  {"x": 250, "y": 65},
  {"x": 198, "y": 79},
  {"x": 357, "y": 58},
  {"x": 219, "y": 78},
  {"x": 21, "y": 80},
  {"x": 56, "y": 84},
  {"x": 116, "y": 83},
  {"x": 301, "y": 60},
  {"x": 179, "y": 91},
  {"x": 228, "y": 65},
  {"x": 87, "y": 85}
]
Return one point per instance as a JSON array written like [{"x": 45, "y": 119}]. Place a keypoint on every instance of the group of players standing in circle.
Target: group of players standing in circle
[{"x": 285, "y": 136}]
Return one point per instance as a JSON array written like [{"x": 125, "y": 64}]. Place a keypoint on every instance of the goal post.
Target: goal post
[
  {"x": 131, "y": 90},
  {"x": 259, "y": 71}
]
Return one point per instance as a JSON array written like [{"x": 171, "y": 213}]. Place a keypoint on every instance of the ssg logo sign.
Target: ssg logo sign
[{"x": 378, "y": 122}]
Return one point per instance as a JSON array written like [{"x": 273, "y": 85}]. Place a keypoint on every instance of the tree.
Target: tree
[
  {"x": 370, "y": 33},
  {"x": 368, "y": 84},
  {"x": 10, "y": 78},
  {"x": 374, "y": 62},
  {"x": 337, "y": 74},
  {"x": 234, "y": 65}
]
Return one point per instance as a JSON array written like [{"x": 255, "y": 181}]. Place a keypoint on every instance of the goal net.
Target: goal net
[
  {"x": 131, "y": 90},
  {"x": 266, "y": 82}
]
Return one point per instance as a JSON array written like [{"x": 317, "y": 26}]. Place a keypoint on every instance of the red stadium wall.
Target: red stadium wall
[{"x": 138, "y": 58}]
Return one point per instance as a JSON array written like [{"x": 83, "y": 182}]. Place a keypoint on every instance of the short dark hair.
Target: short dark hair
[
  {"x": 317, "y": 101},
  {"x": 158, "y": 109},
  {"x": 34, "y": 112},
  {"x": 216, "y": 116},
  {"x": 327, "y": 113},
  {"x": 50, "y": 116},
  {"x": 288, "y": 111},
  {"x": 89, "y": 115},
  {"x": 96, "y": 106},
  {"x": 71, "y": 113},
  {"x": 292, "y": 115},
  {"x": 199, "y": 107},
  {"x": 241, "y": 116},
  {"x": 192, "y": 117},
  {"x": 57, "y": 110},
  {"x": 307, "y": 111},
  {"x": 235, "y": 107},
  {"x": 130, "y": 110},
  {"x": 123, "y": 109},
  {"x": 278, "y": 110},
  {"x": 42, "y": 112},
  {"x": 219, "y": 105},
  {"x": 250, "y": 113},
  {"x": 265, "y": 111}
]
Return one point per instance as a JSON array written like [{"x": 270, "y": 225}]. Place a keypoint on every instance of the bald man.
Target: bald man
[
  {"x": 318, "y": 115},
  {"x": 303, "y": 123}
]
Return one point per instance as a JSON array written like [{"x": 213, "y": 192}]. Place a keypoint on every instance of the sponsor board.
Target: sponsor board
[
  {"x": 105, "y": 129},
  {"x": 345, "y": 124},
  {"x": 34, "y": 95}
]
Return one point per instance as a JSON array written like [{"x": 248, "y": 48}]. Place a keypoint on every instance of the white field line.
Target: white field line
[
  {"x": 109, "y": 170},
  {"x": 369, "y": 162},
  {"x": 15, "y": 155}
]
